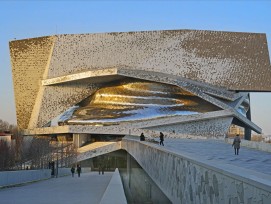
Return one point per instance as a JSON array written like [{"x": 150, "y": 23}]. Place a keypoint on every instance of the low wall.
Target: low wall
[
  {"x": 11, "y": 178},
  {"x": 262, "y": 146},
  {"x": 86, "y": 169},
  {"x": 189, "y": 180},
  {"x": 64, "y": 172},
  {"x": 114, "y": 192}
]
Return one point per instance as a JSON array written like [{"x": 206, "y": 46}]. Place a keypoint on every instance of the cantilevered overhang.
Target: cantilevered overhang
[
  {"x": 121, "y": 72},
  {"x": 92, "y": 76},
  {"x": 139, "y": 126}
]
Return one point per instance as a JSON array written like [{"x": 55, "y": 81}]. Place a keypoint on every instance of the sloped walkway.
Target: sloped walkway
[
  {"x": 219, "y": 151},
  {"x": 88, "y": 189}
]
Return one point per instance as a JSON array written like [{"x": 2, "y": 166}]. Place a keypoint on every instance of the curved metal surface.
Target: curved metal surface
[{"x": 137, "y": 100}]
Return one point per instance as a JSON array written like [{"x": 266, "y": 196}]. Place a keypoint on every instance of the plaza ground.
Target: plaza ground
[{"x": 90, "y": 187}]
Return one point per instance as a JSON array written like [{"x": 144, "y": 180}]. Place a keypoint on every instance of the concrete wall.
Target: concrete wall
[
  {"x": 188, "y": 180},
  {"x": 262, "y": 146},
  {"x": 86, "y": 169},
  {"x": 64, "y": 171},
  {"x": 139, "y": 187},
  {"x": 114, "y": 192},
  {"x": 10, "y": 178}
]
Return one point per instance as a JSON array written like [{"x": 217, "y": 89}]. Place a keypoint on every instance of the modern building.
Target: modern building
[
  {"x": 182, "y": 82},
  {"x": 98, "y": 88}
]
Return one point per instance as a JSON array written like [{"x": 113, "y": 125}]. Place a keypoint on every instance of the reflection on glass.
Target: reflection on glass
[{"x": 137, "y": 100}]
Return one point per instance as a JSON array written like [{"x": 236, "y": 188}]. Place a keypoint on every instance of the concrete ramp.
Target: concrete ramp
[
  {"x": 189, "y": 173},
  {"x": 97, "y": 148}
]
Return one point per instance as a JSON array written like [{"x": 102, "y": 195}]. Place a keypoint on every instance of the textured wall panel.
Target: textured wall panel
[
  {"x": 29, "y": 59},
  {"x": 57, "y": 99},
  {"x": 211, "y": 128},
  {"x": 237, "y": 61}
]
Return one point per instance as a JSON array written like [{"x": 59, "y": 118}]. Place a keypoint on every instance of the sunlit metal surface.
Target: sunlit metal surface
[
  {"x": 244, "y": 107},
  {"x": 137, "y": 100}
]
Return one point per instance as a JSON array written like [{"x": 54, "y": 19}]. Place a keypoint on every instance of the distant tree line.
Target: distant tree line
[
  {"x": 9, "y": 152},
  {"x": 32, "y": 152}
]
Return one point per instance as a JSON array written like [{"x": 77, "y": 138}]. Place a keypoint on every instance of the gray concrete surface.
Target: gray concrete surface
[
  {"x": 89, "y": 188},
  {"x": 11, "y": 178},
  {"x": 8, "y": 178},
  {"x": 204, "y": 171},
  {"x": 114, "y": 192},
  {"x": 221, "y": 152}
]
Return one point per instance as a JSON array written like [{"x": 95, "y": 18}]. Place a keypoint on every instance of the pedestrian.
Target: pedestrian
[
  {"x": 72, "y": 170},
  {"x": 161, "y": 138},
  {"x": 236, "y": 144},
  {"x": 101, "y": 168},
  {"x": 142, "y": 137},
  {"x": 78, "y": 170}
]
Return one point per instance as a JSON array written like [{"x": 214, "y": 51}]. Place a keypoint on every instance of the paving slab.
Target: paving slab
[{"x": 88, "y": 189}]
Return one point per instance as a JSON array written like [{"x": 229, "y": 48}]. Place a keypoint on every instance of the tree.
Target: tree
[
  {"x": 4, "y": 126},
  {"x": 7, "y": 159},
  {"x": 15, "y": 152},
  {"x": 39, "y": 152}
]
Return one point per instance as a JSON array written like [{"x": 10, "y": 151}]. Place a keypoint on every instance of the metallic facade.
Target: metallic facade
[{"x": 182, "y": 82}]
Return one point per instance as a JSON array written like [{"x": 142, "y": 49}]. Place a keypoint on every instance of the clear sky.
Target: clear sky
[{"x": 27, "y": 19}]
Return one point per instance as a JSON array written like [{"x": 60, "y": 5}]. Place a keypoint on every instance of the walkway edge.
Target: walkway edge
[{"x": 114, "y": 192}]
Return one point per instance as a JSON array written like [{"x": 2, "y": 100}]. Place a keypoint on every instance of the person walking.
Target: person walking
[
  {"x": 72, "y": 170},
  {"x": 142, "y": 137},
  {"x": 78, "y": 170},
  {"x": 161, "y": 138},
  {"x": 236, "y": 144},
  {"x": 101, "y": 168}
]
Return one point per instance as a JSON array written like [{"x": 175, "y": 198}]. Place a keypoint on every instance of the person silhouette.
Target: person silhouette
[
  {"x": 161, "y": 138},
  {"x": 78, "y": 170},
  {"x": 142, "y": 137},
  {"x": 72, "y": 170},
  {"x": 236, "y": 144}
]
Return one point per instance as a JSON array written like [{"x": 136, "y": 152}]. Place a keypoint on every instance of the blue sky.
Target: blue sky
[{"x": 27, "y": 19}]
